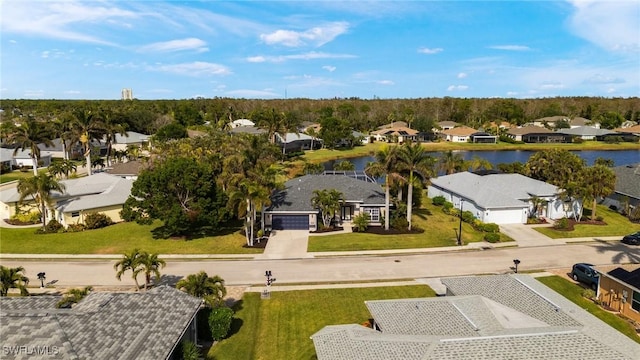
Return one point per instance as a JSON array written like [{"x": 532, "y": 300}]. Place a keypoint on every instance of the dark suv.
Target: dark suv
[{"x": 584, "y": 273}]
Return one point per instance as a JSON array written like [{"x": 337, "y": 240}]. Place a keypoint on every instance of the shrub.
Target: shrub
[
  {"x": 634, "y": 215},
  {"x": 361, "y": 222},
  {"x": 75, "y": 228},
  {"x": 492, "y": 237},
  {"x": 53, "y": 226},
  {"x": 399, "y": 223},
  {"x": 220, "y": 322},
  {"x": 491, "y": 228},
  {"x": 588, "y": 293},
  {"x": 599, "y": 218},
  {"x": 446, "y": 207},
  {"x": 97, "y": 221},
  {"x": 190, "y": 351},
  {"x": 467, "y": 216},
  {"x": 26, "y": 218},
  {"x": 561, "y": 224},
  {"x": 577, "y": 140},
  {"x": 438, "y": 201}
]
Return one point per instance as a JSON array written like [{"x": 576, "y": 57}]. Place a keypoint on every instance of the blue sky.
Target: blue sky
[{"x": 324, "y": 49}]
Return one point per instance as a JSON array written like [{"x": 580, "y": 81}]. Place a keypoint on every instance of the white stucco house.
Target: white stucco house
[{"x": 499, "y": 198}]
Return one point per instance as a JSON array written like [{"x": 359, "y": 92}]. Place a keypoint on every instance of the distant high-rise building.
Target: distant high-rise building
[{"x": 127, "y": 94}]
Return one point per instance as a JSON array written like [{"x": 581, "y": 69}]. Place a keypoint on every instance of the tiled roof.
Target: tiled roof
[
  {"x": 631, "y": 130},
  {"x": 585, "y": 131},
  {"x": 496, "y": 317},
  {"x": 532, "y": 129},
  {"x": 460, "y": 131},
  {"x": 126, "y": 168},
  {"x": 494, "y": 190},
  {"x": 297, "y": 193},
  {"x": 248, "y": 130},
  {"x": 143, "y": 325}
]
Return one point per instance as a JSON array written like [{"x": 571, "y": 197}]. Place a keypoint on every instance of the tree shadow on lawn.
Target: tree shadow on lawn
[
  {"x": 161, "y": 232},
  {"x": 622, "y": 253}
]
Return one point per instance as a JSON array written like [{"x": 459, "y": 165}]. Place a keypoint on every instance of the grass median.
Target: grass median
[{"x": 280, "y": 327}]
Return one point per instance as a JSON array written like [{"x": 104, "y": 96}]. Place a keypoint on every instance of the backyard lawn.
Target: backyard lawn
[
  {"x": 280, "y": 328},
  {"x": 616, "y": 224},
  {"x": 119, "y": 238},
  {"x": 440, "y": 230},
  {"x": 573, "y": 292}
]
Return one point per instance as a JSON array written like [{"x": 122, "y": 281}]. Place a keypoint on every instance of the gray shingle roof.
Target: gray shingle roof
[
  {"x": 490, "y": 317},
  {"x": 628, "y": 180},
  {"x": 143, "y": 325},
  {"x": 494, "y": 190},
  {"x": 585, "y": 131},
  {"x": 297, "y": 194}
]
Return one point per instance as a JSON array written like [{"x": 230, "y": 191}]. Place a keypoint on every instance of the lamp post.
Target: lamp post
[
  {"x": 460, "y": 226},
  {"x": 42, "y": 278}
]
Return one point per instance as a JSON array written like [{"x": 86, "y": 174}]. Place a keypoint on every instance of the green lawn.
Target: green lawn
[
  {"x": 573, "y": 292},
  {"x": 440, "y": 230},
  {"x": 280, "y": 327},
  {"x": 617, "y": 225},
  {"x": 118, "y": 238}
]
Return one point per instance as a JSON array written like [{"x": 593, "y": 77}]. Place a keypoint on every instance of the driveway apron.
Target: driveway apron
[
  {"x": 286, "y": 244},
  {"x": 527, "y": 236}
]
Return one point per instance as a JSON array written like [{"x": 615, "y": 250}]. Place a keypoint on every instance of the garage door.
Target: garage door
[{"x": 290, "y": 222}]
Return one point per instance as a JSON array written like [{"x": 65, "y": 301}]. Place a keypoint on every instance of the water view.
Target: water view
[{"x": 622, "y": 157}]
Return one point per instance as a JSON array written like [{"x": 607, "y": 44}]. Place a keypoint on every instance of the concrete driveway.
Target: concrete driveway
[
  {"x": 527, "y": 236},
  {"x": 286, "y": 244}
]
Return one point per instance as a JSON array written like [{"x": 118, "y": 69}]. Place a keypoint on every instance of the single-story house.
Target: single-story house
[
  {"x": 248, "y": 130},
  {"x": 103, "y": 325},
  {"x": 580, "y": 121},
  {"x": 445, "y": 125},
  {"x": 467, "y": 134},
  {"x": 307, "y": 126},
  {"x": 131, "y": 139},
  {"x": 627, "y": 187},
  {"x": 631, "y": 130},
  {"x": 6, "y": 158},
  {"x": 551, "y": 121},
  {"x": 98, "y": 193},
  {"x": 393, "y": 124},
  {"x": 297, "y": 142},
  {"x": 480, "y": 318},
  {"x": 23, "y": 158},
  {"x": 619, "y": 289},
  {"x": 537, "y": 134},
  {"x": 399, "y": 134},
  {"x": 586, "y": 132},
  {"x": 241, "y": 122},
  {"x": 127, "y": 170},
  {"x": 291, "y": 207},
  {"x": 498, "y": 198}
]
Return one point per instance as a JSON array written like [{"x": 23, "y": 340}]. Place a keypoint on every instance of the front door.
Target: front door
[{"x": 346, "y": 212}]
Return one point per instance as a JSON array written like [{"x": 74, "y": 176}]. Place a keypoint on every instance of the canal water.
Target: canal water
[{"x": 619, "y": 157}]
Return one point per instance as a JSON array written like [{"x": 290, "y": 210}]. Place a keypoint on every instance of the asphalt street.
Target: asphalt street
[{"x": 100, "y": 272}]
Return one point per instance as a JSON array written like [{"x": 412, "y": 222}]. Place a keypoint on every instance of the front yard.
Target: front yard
[
  {"x": 439, "y": 230},
  {"x": 119, "y": 238},
  {"x": 616, "y": 225},
  {"x": 280, "y": 327}
]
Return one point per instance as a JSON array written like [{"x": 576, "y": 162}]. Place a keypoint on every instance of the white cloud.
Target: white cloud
[
  {"x": 316, "y": 36},
  {"x": 194, "y": 44},
  {"x": 247, "y": 93},
  {"x": 329, "y": 68},
  {"x": 72, "y": 92},
  {"x": 385, "y": 82},
  {"x": 462, "y": 75},
  {"x": 457, "y": 87},
  {"x": 512, "y": 93},
  {"x": 510, "y": 47},
  {"x": 305, "y": 56},
  {"x": 13, "y": 41},
  {"x": 44, "y": 54},
  {"x": 33, "y": 93},
  {"x": 612, "y": 25},
  {"x": 196, "y": 68},
  {"x": 602, "y": 79},
  {"x": 430, "y": 51},
  {"x": 551, "y": 86}
]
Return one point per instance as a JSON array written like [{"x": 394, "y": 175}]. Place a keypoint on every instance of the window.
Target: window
[
  {"x": 635, "y": 301},
  {"x": 374, "y": 214},
  {"x": 75, "y": 214}
]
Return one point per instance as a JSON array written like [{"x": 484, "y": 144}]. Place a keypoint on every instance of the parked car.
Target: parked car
[
  {"x": 585, "y": 273},
  {"x": 632, "y": 239}
]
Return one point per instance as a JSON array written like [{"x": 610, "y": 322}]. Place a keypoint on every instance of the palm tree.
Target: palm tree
[
  {"x": 599, "y": 181},
  {"x": 211, "y": 289},
  {"x": 87, "y": 127},
  {"x": 478, "y": 163},
  {"x": 328, "y": 201},
  {"x": 414, "y": 158},
  {"x": 63, "y": 128},
  {"x": 150, "y": 264},
  {"x": 130, "y": 261},
  {"x": 73, "y": 296},
  {"x": 27, "y": 136},
  {"x": 385, "y": 164},
  {"x": 13, "y": 278},
  {"x": 39, "y": 188},
  {"x": 111, "y": 129},
  {"x": 451, "y": 163}
]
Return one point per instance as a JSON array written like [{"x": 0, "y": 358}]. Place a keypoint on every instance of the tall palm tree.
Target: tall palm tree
[
  {"x": 87, "y": 127},
  {"x": 130, "y": 262},
  {"x": 39, "y": 188},
  {"x": 451, "y": 163},
  {"x": 599, "y": 181},
  {"x": 63, "y": 128},
  {"x": 111, "y": 129},
  {"x": 385, "y": 165},
  {"x": 211, "y": 289},
  {"x": 13, "y": 278},
  {"x": 27, "y": 136},
  {"x": 150, "y": 264},
  {"x": 478, "y": 163},
  {"x": 414, "y": 158},
  {"x": 328, "y": 201}
]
